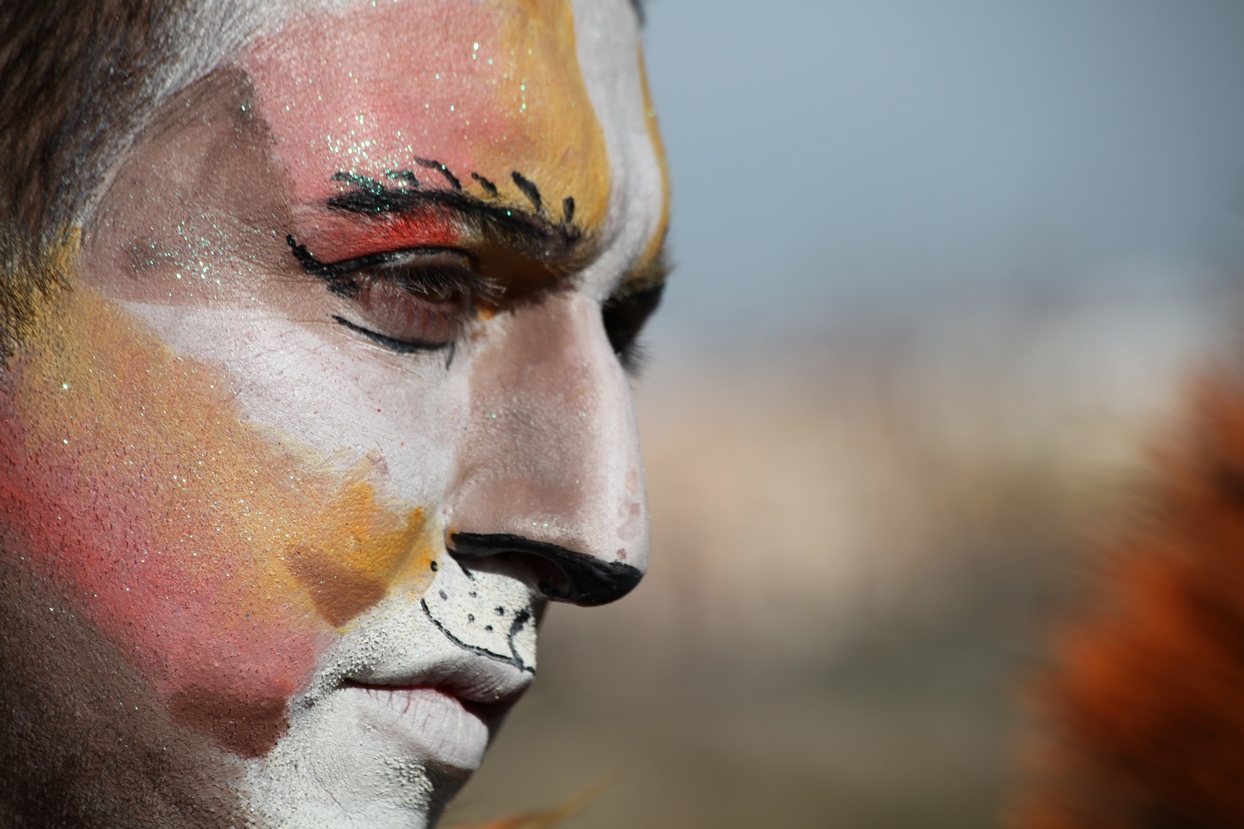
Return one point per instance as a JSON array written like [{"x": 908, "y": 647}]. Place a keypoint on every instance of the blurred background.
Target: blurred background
[{"x": 943, "y": 272}]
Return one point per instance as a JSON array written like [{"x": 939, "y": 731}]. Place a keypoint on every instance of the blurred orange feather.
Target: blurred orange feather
[{"x": 1145, "y": 711}]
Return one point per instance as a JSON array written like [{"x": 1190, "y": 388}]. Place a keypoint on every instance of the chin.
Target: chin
[
  {"x": 360, "y": 760},
  {"x": 401, "y": 711}
]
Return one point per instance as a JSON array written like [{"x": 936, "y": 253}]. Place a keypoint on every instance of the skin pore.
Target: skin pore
[{"x": 341, "y": 303}]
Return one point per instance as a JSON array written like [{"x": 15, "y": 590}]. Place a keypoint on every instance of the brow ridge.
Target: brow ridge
[{"x": 529, "y": 233}]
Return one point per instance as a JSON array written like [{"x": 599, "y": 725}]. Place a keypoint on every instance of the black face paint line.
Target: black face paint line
[
  {"x": 488, "y": 186},
  {"x": 442, "y": 169},
  {"x": 529, "y": 189},
  {"x": 521, "y": 619},
  {"x": 577, "y": 578},
  {"x": 527, "y": 232},
  {"x": 400, "y": 346}
]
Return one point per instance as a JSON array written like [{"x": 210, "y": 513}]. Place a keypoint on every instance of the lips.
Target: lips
[
  {"x": 405, "y": 701},
  {"x": 445, "y": 712},
  {"x": 431, "y": 723}
]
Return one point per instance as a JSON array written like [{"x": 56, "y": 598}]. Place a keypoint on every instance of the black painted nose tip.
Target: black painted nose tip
[{"x": 561, "y": 575}]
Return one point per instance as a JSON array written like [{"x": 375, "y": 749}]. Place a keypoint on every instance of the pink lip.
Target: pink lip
[
  {"x": 489, "y": 708},
  {"x": 430, "y": 723},
  {"x": 444, "y": 712}
]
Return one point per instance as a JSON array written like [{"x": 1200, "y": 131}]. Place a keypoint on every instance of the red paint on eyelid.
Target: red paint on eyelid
[
  {"x": 486, "y": 88},
  {"x": 348, "y": 237}
]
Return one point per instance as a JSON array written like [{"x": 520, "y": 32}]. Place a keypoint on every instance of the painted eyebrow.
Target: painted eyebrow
[{"x": 528, "y": 232}]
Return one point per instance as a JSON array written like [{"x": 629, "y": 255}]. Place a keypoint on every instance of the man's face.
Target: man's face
[{"x": 340, "y": 310}]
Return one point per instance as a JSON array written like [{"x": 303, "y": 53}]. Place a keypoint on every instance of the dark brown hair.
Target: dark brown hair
[{"x": 76, "y": 79}]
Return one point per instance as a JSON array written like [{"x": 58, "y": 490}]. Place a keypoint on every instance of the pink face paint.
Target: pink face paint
[
  {"x": 216, "y": 555},
  {"x": 481, "y": 98},
  {"x": 188, "y": 491}
]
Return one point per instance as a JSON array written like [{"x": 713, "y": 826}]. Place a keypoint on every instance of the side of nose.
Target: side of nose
[{"x": 549, "y": 472}]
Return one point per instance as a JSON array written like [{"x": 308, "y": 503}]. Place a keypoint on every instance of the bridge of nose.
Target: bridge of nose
[{"x": 550, "y": 459}]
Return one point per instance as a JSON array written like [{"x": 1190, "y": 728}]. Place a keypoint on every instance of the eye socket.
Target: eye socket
[
  {"x": 415, "y": 300},
  {"x": 624, "y": 317}
]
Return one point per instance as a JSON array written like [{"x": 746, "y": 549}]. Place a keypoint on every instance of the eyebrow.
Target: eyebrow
[
  {"x": 560, "y": 245},
  {"x": 563, "y": 247}
]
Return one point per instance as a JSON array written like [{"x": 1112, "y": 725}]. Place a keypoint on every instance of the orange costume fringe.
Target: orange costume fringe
[{"x": 1145, "y": 710}]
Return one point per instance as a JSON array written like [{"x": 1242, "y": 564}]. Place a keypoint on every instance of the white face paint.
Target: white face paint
[
  {"x": 374, "y": 252},
  {"x": 400, "y": 712}
]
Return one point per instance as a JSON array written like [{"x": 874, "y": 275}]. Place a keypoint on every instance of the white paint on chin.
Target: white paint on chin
[
  {"x": 353, "y": 762},
  {"x": 381, "y": 738}
]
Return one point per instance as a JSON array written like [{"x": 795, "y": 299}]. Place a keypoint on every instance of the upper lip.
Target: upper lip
[{"x": 485, "y": 687}]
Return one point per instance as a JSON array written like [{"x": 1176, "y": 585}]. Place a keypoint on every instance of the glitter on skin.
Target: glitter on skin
[
  {"x": 201, "y": 540},
  {"x": 528, "y": 111},
  {"x": 194, "y": 584}
]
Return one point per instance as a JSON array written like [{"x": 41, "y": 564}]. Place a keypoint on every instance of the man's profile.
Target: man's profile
[{"x": 316, "y": 325}]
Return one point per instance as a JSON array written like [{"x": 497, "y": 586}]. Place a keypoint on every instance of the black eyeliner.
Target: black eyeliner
[
  {"x": 400, "y": 346},
  {"x": 348, "y": 267}
]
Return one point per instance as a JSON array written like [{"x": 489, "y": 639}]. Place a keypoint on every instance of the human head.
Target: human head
[{"x": 315, "y": 317}]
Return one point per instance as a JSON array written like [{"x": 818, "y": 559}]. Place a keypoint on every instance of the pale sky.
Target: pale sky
[{"x": 830, "y": 155}]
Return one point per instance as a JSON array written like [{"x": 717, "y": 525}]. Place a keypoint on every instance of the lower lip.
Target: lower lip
[{"x": 432, "y": 723}]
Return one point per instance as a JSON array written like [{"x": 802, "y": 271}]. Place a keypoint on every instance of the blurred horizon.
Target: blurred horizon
[{"x": 843, "y": 158}]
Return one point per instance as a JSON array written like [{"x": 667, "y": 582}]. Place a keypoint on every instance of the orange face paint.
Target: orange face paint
[
  {"x": 222, "y": 557},
  {"x": 219, "y": 556},
  {"x": 488, "y": 101}
]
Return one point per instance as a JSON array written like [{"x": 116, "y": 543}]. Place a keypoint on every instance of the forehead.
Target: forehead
[{"x": 532, "y": 104}]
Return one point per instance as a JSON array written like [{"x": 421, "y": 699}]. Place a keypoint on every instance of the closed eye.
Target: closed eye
[
  {"x": 419, "y": 300},
  {"x": 412, "y": 300}
]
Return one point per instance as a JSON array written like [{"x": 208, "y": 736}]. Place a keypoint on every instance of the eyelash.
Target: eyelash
[
  {"x": 624, "y": 317},
  {"x": 417, "y": 300},
  {"x": 439, "y": 274}
]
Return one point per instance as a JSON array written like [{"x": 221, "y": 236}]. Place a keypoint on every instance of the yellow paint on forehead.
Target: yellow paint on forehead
[
  {"x": 215, "y": 507},
  {"x": 488, "y": 88},
  {"x": 562, "y": 146}
]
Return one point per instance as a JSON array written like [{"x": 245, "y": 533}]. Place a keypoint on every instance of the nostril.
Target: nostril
[
  {"x": 560, "y": 575},
  {"x": 549, "y": 580}
]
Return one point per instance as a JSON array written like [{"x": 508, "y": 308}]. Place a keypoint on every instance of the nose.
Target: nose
[
  {"x": 549, "y": 473},
  {"x": 561, "y": 575}
]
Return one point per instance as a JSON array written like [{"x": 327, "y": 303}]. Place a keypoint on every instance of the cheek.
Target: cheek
[
  {"x": 343, "y": 398},
  {"x": 220, "y": 558}
]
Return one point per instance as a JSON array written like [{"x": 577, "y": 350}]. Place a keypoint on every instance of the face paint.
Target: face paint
[
  {"x": 329, "y": 409},
  {"x": 650, "y": 261},
  {"x": 200, "y": 541},
  {"x": 486, "y": 102}
]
